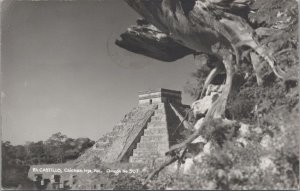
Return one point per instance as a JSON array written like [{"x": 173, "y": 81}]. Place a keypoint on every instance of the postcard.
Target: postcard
[{"x": 149, "y": 95}]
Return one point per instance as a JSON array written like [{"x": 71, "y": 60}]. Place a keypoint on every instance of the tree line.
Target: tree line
[{"x": 56, "y": 149}]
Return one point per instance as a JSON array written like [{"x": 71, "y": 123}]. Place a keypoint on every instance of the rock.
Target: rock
[
  {"x": 199, "y": 158},
  {"x": 242, "y": 141},
  {"x": 244, "y": 130},
  {"x": 200, "y": 107},
  {"x": 95, "y": 146},
  {"x": 169, "y": 188},
  {"x": 188, "y": 165},
  {"x": 173, "y": 168},
  {"x": 257, "y": 130},
  {"x": 145, "y": 169},
  {"x": 235, "y": 174},
  {"x": 221, "y": 173},
  {"x": 266, "y": 141},
  {"x": 266, "y": 162},
  {"x": 281, "y": 127},
  {"x": 207, "y": 148},
  {"x": 146, "y": 39},
  {"x": 211, "y": 185}
]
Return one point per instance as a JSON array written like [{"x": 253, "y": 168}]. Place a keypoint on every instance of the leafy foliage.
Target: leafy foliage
[{"x": 17, "y": 159}]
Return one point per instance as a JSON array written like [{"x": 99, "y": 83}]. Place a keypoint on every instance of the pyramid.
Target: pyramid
[{"x": 147, "y": 131}]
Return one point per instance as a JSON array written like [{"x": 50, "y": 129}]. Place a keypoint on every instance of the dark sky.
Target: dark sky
[{"x": 61, "y": 70}]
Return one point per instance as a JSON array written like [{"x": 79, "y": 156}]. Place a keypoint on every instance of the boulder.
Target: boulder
[
  {"x": 169, "y": 188},
  {"x": 188, "y": 165},
  {"x": 257, "y": 130},
  {"x": 235, "y": 174},
  {"x": 199, "y": 158},
  {"x": 266, "y": 162},
  {"x": 242, "y": 141},
  {"x": 145, "y": 169},
  {"x": 173, "y": 168},
  {"x": 244, "y": 130},
  {"x": 147, "y": 40},
  {"x": 207, "y": 148},
  {"x": 211, "y": 185},
  {"x": 266, "y": 141},
  {"x": 221, "y": 173}
]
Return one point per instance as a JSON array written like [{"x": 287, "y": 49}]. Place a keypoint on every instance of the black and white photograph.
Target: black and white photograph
[{"x": 149, "y": 95}]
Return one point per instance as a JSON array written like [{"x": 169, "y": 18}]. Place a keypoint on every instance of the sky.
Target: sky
[{"x": 62, "y": 72}]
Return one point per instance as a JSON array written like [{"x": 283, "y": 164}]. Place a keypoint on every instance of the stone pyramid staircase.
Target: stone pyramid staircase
[
  {"x": 145, "y": 133},
  {"x": 155, "y": 141}
]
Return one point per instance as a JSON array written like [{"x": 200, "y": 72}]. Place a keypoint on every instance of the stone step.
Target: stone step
[
  {"x": 148, "y": 153},
  {"x": 153, "y": 126},
  {"x": 145, "y": 150},
  {"x": 139, "y": 160},
  {"x": 155, "y": 131},
  {"x": 154, "y": 138},
  {"x": 147, "y": 142},
  {"x": 160, "y": 121},
  {"x": 162, "y": 126},
  {"x": 161, "y": 136},
  {"x": 153, "y": 147},
  {"x": 160, "y": 112},
  {"x": 157, "y": 123},
  {"x": 136, "y": 160},
  {"x": 145, "y": 160},
  {"x": 158, "y": 118},
  {"x": 150, "y": 144},
  {"x": 160, "y": 106}
]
